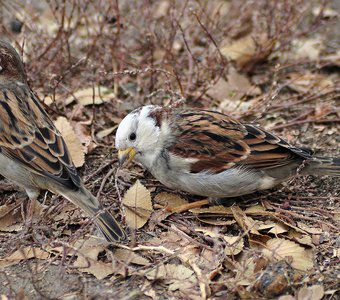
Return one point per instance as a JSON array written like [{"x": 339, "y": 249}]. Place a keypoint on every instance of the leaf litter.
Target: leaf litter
[{"x": 281, "y": 244}]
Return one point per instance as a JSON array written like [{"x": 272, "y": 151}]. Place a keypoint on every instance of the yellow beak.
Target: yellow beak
[{"x": 126, "y": 155}]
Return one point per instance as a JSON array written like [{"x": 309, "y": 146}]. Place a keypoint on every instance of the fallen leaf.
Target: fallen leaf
[
  {"x": 23, "y": 254},
  {"x": 326, "y": 12},
  {"x": 235, "y": 245},
  {"x": 128, "y": 256},
  {"x": 168, "y": 199},
  {"x": 307, "y": 48},
  {"x": 312, "y": 230},
  {"x": 72, "y": 141},
  {"x": 105, "y": 132},
  {"x": 278, "y": 228},
  {"x": 246, "y": 223},
  {"x": 286, "y": 297},
  {"x": 237, "y": 106},
  {"x": 208, "y": 231},
  {"x": 279, "y": 249},
  {"x": 235, "y": 87},
  {"x": 214, "y": 221},
  {"x": 89, "y": 96},
  {"x": 10, "y": 217},
  {"x": 314, "y": 292},
  {"x": 301, "y": 238},
  {"x": 87, "y": 258},
  {"x": 137, "y": 201},
  {"x": 305, "y": 82},
  {"x": 177, "y": 276},
  {"x": 245, "y": 49}
]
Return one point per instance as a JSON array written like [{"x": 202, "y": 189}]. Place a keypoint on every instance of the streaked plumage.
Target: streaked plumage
[
  {"x": 210, "y": 154},
  {"x": 32, "y": 151}
]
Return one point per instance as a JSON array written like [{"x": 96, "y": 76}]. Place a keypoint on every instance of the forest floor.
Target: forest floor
[{"x": 274, "y": 63}]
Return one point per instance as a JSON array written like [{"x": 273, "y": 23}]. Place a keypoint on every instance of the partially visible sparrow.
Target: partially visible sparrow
[
  {"x": 33, "y": 153},
  {"x": 210, "y": 154}
]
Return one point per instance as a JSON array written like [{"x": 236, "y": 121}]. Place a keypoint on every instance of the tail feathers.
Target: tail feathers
[
  {"x": 110, "y": 228},
  {"x": 324, "y": 166},
  {"x": 103, "y": 219}
]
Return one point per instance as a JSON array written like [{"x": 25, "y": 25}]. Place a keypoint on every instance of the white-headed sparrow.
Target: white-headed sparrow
[
  {"x": 32, "y": 151},
  {"x": 210, "y": 154}
]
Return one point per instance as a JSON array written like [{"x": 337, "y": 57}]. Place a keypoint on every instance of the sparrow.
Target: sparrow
[
  {"x": 33, "y": 154},
  {"x": 210, "y": 154}
]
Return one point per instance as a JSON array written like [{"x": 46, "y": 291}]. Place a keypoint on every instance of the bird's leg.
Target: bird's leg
[
  {"x": 222, "y": 201},
  {"x": 30, "y": 208}
]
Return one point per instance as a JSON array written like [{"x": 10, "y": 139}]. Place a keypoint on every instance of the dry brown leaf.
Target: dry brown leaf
[
  {"x": 278, "y": 228},
  {"x": 87, "y": 260},
  {"x": 286, "y": 297},
  {"x": 137, "y": 201},
  {"x": 305, "y": 82},
  {"x": 243, "y": 50},
  {"x": 237, "y": 106},
  {"x": 88, "y": 96},
  {"x": 105, "y": 132},
  {"x": 255, "y": 210},
  {"x": 326, "y": 12},
  {"x": 235, "y": 245},
  {"x": 213, "y": 232},
  {"x": 245, "y": 270},
  {"x": 128, "y": 256},
  {"x": 83, "y": 132},
  {"x": 168, "y": 199},
  {"x": 307, "y": 48},
  {"x": 246, "y": 223},
  {"x": 266, "y": 226},
  {"x": 177, "y": 276},
  {"x": 72, "y": 141},
  {"x": 236, "y": 86},
  {"x": 23, "y": 254},
  {"x": 161, "y": 9},
  {"x": 214, "y": 221},
  {"x": 314, "y": 292},
  {"x": 10, "y": 217},
  {"x": 301, "y": 238},
  {"x": 279, "y": 249},
  {"x": 69, "y": 213},
  {"x": 312, "y": 230}
]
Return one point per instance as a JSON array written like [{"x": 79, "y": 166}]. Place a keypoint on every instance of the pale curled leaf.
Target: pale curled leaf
[
  {"x": 168, "y": 199},
  {"x": 128, "y": 256},
  {"x": 72, "y": 141},
  {"x": 10, "y": 217},
  {"x": 234, "y": 246},
  {"x": 279, "y": 249},
  {"x": 311, "y": 230},
  {"x": 246, "y": 223},
  {"x": 244, "y": 49},
  {"x": 314, "y": 292},
  {"x": 87, "y": 258},
  {"x": 105, "y": 132},
  {"x": 23, "y": 254},
  {"x": 88, "y": 96},
  {"x": 137, "y": 201}
]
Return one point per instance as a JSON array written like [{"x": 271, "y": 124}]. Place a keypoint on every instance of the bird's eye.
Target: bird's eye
[{"x": 132, "y": 136}]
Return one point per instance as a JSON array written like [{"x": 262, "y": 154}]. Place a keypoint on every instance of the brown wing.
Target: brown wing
[
  {"x": 28, "y": 136},
  {"x": 219, "y": 142}
]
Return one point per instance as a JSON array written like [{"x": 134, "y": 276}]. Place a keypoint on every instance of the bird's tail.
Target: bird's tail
[
  {"x": 324, "y": 166},
  {"x": 103, "y": 219}
]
